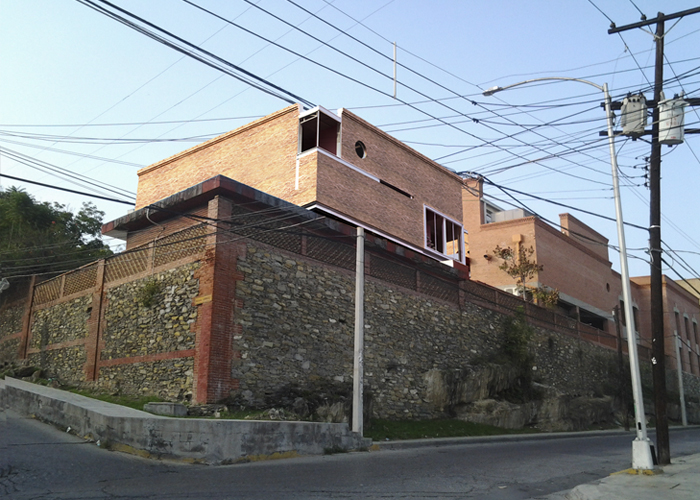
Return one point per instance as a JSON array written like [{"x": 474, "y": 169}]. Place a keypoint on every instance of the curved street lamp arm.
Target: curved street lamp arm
[{"x": 493, "y": 90}]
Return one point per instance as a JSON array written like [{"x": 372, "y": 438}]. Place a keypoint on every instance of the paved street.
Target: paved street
[{"x": 41, "y": 462}]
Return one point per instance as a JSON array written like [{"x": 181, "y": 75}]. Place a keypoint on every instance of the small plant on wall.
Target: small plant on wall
[
  {"x": 148, "y": 293},
  {"x": 520, "y": 265}
]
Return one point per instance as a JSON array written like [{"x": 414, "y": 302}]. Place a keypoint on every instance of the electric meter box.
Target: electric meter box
[
  {"x": 671, "y": 121},
  {"x": 634, "y": 115}
]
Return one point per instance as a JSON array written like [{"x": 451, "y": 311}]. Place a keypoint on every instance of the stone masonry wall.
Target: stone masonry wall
[
  {"x": 133, "y": 328},
  {"x": 63, "y": 322},
  {"x": 146, "y": 325},
  {"x": 65, "y": 363},
  {"x": 8, "y": 350},
  {"x": 10, "y": 324},
  {"x": 11, "y": 320},
  {"x": 57, "y": 336},
  {"x": 296, "y": 319},
  {"x": 169, "y": 379}
]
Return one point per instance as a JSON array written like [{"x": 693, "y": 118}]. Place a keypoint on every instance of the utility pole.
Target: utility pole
[
  {"x": 657, "y": 313},
  {"x": 623, "y": 386},
  {"x": 358, "y": 363}
]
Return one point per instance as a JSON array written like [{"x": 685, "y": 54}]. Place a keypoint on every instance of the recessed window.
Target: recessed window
[
  {"x": 360, "y": 149},
  {"x": 444, "y": 235}
]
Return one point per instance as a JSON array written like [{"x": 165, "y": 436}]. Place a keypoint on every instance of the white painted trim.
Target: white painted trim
[
  {"x": 462, "y": 253},
  {"x": 583, "y": 305},
  {"x": 322, "y": 110},
  {"x": 355, "y": 222},
  {"x": 296, "y": 176},
  {"x": 339, "y": 160}
]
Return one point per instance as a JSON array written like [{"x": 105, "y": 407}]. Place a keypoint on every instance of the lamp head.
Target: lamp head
[{"x": 492, "y": 91}]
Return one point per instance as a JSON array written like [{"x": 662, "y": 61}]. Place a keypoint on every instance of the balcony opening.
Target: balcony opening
[
  {"x": 592, "y": 319},
  {"x": 319, "y": 130}
]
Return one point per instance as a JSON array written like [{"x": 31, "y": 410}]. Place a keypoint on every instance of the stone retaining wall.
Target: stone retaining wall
[
  {"x": 61, "y": 323},
  {"x": 162, "y": 324},
  {"x": 11, "y": 320},
  {"x": 296, "y": 319}
]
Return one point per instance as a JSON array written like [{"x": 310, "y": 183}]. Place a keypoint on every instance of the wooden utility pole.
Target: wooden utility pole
[{"x": 657, "y": 313}]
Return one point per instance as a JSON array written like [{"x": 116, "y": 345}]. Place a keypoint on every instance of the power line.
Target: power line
[
  {"x": 82, "y": 193},
  {"x": 195, "y": 52}
]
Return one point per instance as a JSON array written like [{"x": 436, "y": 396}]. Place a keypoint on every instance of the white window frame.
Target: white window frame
[{"x": 458, "y": 231}]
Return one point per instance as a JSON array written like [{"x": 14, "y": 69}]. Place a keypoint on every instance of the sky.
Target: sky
[{"x": 85, "y": 96}]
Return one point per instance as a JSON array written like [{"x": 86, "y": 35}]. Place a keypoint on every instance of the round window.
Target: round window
[{"x": 360, "y": 149}]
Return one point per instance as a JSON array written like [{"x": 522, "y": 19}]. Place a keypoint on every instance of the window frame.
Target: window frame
[{"x": 440, "y": 248}]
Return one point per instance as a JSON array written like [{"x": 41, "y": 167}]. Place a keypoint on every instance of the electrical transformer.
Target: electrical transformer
[
  {"x": 671, "y": 120},
  {"x": 634, "y": 115}
]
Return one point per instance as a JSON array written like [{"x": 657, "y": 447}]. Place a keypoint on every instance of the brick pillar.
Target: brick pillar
[
  {"x": 216, "y": 301},
  {"x": 27, "y": 321},
  {"x": 95, "y": 325}
]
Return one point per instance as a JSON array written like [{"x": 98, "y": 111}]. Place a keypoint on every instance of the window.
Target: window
[
  {"x": 488, "y": 217},
  {"x": 319, "y": 130},
  {"x": 592, "y": 319},
  {"x": 443, "y": 235},
  {"x": 679, "y": 339},
  {"x": 623, "y": 319},
  {"x": 623, "y": 316}
]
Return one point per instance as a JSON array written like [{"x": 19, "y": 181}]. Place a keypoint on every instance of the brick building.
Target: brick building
[{"x": 346, "y": 169}]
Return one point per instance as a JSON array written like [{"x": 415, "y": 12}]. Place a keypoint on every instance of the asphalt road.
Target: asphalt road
[{"x": 40, "y": 462}]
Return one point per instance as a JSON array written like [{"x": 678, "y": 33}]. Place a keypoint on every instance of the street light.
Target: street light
[{"x": 641, "y": 446}]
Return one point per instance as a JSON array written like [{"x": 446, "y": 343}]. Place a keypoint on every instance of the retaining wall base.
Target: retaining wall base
[{"x": 189, "y": 439}]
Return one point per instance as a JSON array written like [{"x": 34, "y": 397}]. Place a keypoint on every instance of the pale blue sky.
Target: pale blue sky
[{"x": 62, "y": 63}]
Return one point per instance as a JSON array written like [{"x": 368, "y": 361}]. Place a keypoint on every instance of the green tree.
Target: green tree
[
  {"x": 519, "y": 265},
  {"x": 46, "y": 237}
]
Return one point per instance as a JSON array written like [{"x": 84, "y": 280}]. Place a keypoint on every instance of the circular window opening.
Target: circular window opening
[{"x": 360, "y": 149}]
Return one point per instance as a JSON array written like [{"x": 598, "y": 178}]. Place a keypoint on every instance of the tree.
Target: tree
[
  {"x": 519, "y": 265},
  {"x": 46, "y": 237}
]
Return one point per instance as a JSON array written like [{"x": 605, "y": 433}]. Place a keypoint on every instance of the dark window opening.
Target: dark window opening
[
  {"x": 443, "y": 235},
  {"x": 319, "y": 130},
  {"x": 589, "y": 318},
  {"x": 360, "y": 149}
]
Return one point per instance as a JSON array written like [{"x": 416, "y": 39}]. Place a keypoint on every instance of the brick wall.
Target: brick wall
[{"x": 261, "y": 154}]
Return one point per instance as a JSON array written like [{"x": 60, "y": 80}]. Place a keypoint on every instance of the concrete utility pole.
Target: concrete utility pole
[
  {"x": 359, "y": 362},
  {"x": 657, "y": 319},
  {"x": 641, "y": 446}
]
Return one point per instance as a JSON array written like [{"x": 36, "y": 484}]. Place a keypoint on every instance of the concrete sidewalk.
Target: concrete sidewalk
[{"x": 678, "y": 481}]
